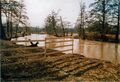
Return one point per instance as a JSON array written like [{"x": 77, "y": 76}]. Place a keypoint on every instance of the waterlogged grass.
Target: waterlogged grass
[{"x": 17, "y": 66}]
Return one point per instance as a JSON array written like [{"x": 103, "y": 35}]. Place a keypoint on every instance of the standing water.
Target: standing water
[
  {"x": 91, "y": 49},
  {"x": 100, "y": 50}
]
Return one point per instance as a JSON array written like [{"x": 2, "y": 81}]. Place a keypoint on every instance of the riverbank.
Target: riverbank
[
  {"x": 17, "y": 66},
  {"x": 97, "y": 37}
]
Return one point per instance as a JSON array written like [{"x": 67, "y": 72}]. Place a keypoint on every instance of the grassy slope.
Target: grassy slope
[{"x": 16, "y": 65}]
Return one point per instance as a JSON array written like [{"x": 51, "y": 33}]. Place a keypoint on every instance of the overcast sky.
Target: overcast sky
[{"x": 38, "y": 10}]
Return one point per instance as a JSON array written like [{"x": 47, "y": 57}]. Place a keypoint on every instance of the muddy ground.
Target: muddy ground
[{"x": 25, "y": 65}]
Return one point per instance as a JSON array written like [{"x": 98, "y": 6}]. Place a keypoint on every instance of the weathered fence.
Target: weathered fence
[
  {"x": 47, "y": 42},
  {"x": 58, "y": 40}
]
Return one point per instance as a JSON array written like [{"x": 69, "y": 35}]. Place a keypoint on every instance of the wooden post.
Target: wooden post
[
  {"x": 26, "y": 41},
  {"x": 72, "y": 44},
  {"x": 45, "y": 48}
]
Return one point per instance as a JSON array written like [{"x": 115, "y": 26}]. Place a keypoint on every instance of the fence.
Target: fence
[
  {"x": 48, "y": 41},
  {"x": 63, "y": 40}
]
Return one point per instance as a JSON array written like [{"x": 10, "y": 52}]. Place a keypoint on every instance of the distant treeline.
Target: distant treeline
[
  {"x": 43, "y": 30},
  {"x": 101, "y": 23},
  {"x": 101, "y": 20}
]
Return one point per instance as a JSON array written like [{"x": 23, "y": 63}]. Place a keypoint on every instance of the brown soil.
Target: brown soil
[{"x": 23, "y": 65}]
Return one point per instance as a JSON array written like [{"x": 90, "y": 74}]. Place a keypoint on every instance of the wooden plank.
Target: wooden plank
[
  {"x": 58, "y": 51},
  {"x": 45, "y": 47},
  {"x": 28, "y": 40},
  {"x": 59, "y": 41},
  {"x": 66, "y": 50},
  {"x": 72, "y": 44},
  {"x": 62, "y": 46},
  {"x": 60, "y": 37}
]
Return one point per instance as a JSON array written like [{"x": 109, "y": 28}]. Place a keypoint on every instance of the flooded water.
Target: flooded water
[
  {"x": 91, "y": 49},
  {"x": 99, "y": 50}
]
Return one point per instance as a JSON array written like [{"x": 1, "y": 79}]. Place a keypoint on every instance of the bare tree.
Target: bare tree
[
  {"x": 63, "y": 29},
  {"x": 2, "y": 31},
  {"x": 102, "y": 9},
  {"x": 51, "y": 24},
  {"x": 118, "y": 24},
  {"x": 14, "y": 12},
  {"x": 81, "y": 21},
  {"x": 103, "y": 16}
]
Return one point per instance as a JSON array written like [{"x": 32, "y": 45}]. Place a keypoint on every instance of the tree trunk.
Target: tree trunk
[
  {"x": 8, "y": 26},
  {"x": 11, "y": 30},
  {"x": 62, "y": 26},
  {"x": 16, "y": 31},
  {"x": 118, "y": 25},
  {"x": 2, "y": 31},
  {"x": 103, "y": 21},
  {"x": 82, "y": 15},
  {"x": 54, "y": 26},
  {"x": 83, "y": 33}
]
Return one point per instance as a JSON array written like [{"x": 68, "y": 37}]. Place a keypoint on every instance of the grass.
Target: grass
[{"x": 16, "y": 66}]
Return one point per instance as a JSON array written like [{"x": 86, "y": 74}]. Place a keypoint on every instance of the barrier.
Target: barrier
[
  {"x": 47, "y": 42},
  {"x": 55, "y": 41}
]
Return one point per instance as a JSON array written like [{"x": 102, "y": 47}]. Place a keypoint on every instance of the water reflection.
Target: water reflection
[
  {"x": 90, "y": 49},
  {"x": 117, "y": 55},
  {"x": 99, "y": 50},
  {"x": 59, "y": 42},
  {"x": 51, "y": 43}
]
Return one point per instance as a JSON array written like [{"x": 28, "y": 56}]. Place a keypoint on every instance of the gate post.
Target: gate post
[
  {"x": 72, "y": 45},
  {"x": 45, "y": 51}
]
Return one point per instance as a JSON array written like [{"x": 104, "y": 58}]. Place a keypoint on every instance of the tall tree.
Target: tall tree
[
  {"x": 103, "y": 19},
  {"x": 81, "y": 21},
  {"x": 54, "y": 22},
  {"x": 115, "y": 12},
  {"x": 101, "y": 8},
  {"x": 51, "y": 24},
  {"x": 13, "y": 11},
  {"x": 2, "y": 31},
  {"x": 118, "y": 23},
  {"x": 62, "y": 25}
]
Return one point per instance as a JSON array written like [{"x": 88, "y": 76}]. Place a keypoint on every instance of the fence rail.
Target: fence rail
[
  {"x": 28, "y": 40},
  {"x": 47, "y": 42},
  {"x": 62, "y": 39}
]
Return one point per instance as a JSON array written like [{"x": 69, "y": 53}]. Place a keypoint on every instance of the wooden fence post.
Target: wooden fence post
[
  {"x": 45, "y": 48},
  {"x": 72, "y": 44}
]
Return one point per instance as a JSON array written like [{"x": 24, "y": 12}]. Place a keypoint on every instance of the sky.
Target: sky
[{"x": 38, "y": 10}]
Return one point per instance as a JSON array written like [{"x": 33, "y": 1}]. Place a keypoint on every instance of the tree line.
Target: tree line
[
  {"x": 102, "y": 19},
  {"x": 14, "y": 14},
  {"x": 55, "y": 25}
]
